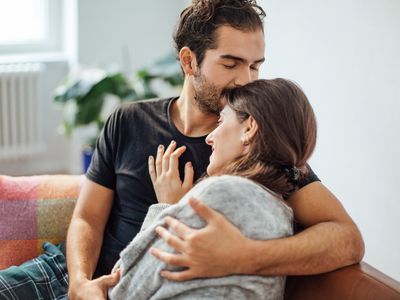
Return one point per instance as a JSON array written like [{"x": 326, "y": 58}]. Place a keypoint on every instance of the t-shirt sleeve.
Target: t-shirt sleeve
[
  {"x": 101, "y": 169},
  {"x": 310, "y": 178}
]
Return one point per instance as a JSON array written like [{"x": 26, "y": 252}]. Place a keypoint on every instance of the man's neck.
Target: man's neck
[{"x": 189, "y": 119}]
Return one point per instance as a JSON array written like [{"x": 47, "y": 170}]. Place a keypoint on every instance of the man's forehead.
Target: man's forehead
[{"x": 233, "y": 43}]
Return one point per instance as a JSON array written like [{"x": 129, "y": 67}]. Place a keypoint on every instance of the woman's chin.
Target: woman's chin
[{"x": 210, "y": 171}]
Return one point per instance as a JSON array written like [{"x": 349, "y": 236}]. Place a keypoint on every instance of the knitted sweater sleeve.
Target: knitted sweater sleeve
[{"x": 254, "y": 211}]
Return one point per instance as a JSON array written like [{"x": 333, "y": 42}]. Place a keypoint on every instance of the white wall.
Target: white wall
[
  {"x": 346, "y": 56},
  {"x": 125, "y": 33},
  {"x": 122, "y": 35}
]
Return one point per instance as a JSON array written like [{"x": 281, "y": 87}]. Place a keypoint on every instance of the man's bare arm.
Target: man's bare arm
[
  {"x": 84, "y": 240},
  {"x": 331, "y": 240}
]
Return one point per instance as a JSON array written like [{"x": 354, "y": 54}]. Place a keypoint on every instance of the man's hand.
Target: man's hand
[
  {"x": 96, "y": 289},
  {"x": 164, "y": 174},
  {"x": 206, "y": 252}
]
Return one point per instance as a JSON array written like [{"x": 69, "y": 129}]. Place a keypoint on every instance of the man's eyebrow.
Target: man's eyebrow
[{"x": 240, "y": 59}]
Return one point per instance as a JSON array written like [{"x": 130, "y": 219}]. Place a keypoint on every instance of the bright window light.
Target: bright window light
[
  {"x": 23, "y": 21},
  {"x": 31, "y": 26}
]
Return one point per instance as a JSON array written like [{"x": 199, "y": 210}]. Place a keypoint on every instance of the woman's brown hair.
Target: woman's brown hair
[{"x": 286, "y": 135}]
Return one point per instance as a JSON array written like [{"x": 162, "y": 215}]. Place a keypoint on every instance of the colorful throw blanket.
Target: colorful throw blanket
[{"x": 34, "y": 209}]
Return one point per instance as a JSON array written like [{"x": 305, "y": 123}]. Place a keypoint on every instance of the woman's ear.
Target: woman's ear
[
  {"x": 187, "y": 60},
  {"x": 250, "y": 130}
]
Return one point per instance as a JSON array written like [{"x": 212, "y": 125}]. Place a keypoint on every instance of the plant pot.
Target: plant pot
[{"x": 87, "y": 153}]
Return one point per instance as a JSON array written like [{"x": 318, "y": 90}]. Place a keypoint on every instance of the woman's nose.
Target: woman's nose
[{"x": 209, "y": 140}]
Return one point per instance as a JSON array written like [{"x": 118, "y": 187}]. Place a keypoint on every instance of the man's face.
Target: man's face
[{"x": 234, "y": 62}]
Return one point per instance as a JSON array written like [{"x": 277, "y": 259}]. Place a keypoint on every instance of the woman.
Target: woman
[{"x": 266, "y": 134}]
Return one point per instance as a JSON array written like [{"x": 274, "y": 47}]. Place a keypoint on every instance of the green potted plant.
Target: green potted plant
[{"x": 83, "y": 95}]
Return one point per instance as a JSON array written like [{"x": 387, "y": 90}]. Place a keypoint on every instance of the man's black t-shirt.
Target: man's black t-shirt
[{"x": 120, "y": 162}]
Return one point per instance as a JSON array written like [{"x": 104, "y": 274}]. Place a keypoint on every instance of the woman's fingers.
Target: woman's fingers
[
  {"x": 167, "y": 154},
  {"x": 189, "y": 174},
  {"x": 174, "y": 159},
  {"x": 152, "y": 169},
  {"x": 168, "y": 160},
  {"x": 159, "y": 158}
]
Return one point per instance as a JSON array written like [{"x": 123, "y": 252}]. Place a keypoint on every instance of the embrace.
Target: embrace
[
  {"x": 208, "y": 195},
  {"x": 220, "y": 46}
]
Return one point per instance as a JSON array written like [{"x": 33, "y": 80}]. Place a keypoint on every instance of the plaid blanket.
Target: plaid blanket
[
  {"x": 34, "y": 210},
  {"x": 44, "y": 277}
]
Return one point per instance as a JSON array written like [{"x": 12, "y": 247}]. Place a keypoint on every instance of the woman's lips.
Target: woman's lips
[{"x": 212, "y": 155}]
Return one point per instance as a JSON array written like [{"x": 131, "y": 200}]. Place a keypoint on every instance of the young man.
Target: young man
[{"x": 220, "y": 45}]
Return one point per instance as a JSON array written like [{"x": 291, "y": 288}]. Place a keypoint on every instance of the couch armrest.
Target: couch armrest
[{"x": 356, "y": 282}]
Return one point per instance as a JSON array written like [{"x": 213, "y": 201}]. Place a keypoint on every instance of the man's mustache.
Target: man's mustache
[{"x": 226, "y": 91}]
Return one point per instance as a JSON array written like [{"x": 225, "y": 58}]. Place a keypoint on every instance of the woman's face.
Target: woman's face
[{"x": 226, "y": 141}]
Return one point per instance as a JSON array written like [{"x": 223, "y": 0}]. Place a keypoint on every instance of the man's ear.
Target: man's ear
[{"x": 188, "y": 62}]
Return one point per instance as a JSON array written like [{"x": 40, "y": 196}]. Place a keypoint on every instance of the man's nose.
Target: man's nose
[{"x": 243, "y": 77}]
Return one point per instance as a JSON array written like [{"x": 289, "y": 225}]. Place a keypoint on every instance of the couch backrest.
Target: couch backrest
[{"x": 34, "y": 209}]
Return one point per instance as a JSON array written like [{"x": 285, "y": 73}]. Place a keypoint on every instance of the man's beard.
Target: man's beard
[{"x": 207, "y": 95}]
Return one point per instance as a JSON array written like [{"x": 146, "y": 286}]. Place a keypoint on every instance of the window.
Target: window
[{"x": 29, "y": 26}]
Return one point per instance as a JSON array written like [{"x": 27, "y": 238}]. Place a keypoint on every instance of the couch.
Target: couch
[{"x": 34, "y": 209}]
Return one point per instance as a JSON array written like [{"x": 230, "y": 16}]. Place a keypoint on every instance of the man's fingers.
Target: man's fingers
[
  {"x": 159, "y": 158},
  {"x": 174, "y": 159},
  {"x": 108, "y": 281},
  {"x": 170, "y": 239},
  {"x": 203, "y": 210},
  {"x": 178, "y": 276},
  {"x": 189, "y": 174},
  {"x": 180, "y": 229},
  {"x": 168, "y": 258},
  {"x": 152, "y": 170}
]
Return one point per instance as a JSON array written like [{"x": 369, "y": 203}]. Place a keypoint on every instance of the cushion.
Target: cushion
[{"x": 34, "y": 209}]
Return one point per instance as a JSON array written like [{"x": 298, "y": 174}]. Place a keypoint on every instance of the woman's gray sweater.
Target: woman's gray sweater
[{"x": 256, "y": 212}]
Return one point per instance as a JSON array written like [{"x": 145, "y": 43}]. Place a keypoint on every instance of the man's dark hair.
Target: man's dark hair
[{"x": 198, "y": 22}]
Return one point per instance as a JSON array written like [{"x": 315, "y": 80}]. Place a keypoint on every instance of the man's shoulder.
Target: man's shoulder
[
  {"x": 141, "y": 109},
  {"x": 148, "y": 104},
  {"x": 132, "y": 118}
]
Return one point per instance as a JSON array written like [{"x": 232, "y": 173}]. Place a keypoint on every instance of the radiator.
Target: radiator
[{"x": 20, "y": 110}]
